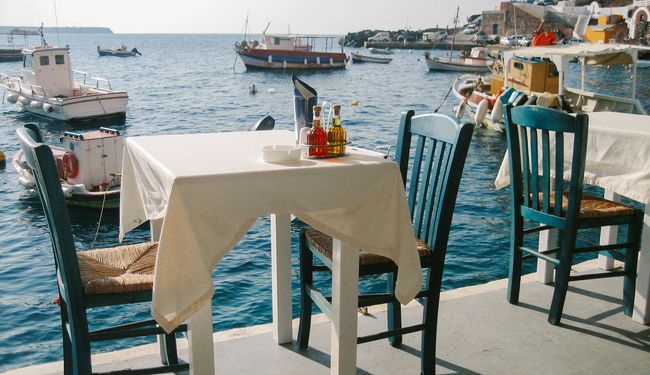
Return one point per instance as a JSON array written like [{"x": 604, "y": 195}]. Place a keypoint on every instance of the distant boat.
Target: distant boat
[
  {"x": 381, "y": 51},
  {"x": 357, "y": 58},
  {"x": 123, "y": 51},
  {"x": 46, "y": 87},
  {"x": 289, "y": 52},
  {"x": 476, "y": 62},
  {"x": 12, "y": 52}
]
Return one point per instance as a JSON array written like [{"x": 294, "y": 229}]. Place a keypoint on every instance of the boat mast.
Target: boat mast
[{"x": 453, "y": 37}]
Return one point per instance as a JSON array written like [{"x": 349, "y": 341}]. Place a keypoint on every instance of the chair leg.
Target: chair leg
[
  {"x": 168, "y": 352},
  {"x": 67, "y": 343},
  {"x": 306, "y": 279},
  {"x": 631, "y": 258},
  {"x": 430, "y": 320},
  {"x": 394, "y": 313},
  {"x": 516, "y": 260},
  {"x": 562, "y": 273}
]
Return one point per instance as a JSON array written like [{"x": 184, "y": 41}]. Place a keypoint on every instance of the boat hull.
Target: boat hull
[
  {"x": 291, "y": 60},
  {"x": 118, "y": 54},
  {"x": 10, "y": 55},
  {"x": 109, "y": 104},
  {"x": 455, "y": 66},
  {"x": 356, "y": 58}
]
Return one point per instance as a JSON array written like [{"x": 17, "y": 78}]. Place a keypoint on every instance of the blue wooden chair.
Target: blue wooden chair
[
  {"x": 441, "y": 146},
  {"x": 94, "y": 278},
  {"x": 552, "y": 203}
]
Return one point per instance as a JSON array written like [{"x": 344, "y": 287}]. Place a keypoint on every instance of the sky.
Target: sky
[{"x": 218, "y": 16}]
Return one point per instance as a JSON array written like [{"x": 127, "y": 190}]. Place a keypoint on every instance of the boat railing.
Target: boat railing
[
  {"x": 615, "y": 103},
  {"x": 31, "y": 89},
  {"x": 23, "y": 88},
  {"x": 90, "y": 81}
]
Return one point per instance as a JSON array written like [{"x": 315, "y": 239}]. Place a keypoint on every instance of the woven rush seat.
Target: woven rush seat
[
  {"x": 593, "y": 207},
  {"x": 323, "y": 243},
  {"x": 119, "y": 269}
]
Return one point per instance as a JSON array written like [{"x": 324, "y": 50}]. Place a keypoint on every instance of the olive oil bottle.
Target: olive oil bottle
[{"x": 336, "y": 135}]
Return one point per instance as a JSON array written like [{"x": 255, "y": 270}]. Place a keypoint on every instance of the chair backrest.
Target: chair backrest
[
  {"x": 39, "y": 158},
  {"x": 537, "y": 140},
  {"x": 441, "y": 146}
]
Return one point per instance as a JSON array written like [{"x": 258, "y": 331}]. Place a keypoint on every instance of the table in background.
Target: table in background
[{"x": 204, "y": 191}]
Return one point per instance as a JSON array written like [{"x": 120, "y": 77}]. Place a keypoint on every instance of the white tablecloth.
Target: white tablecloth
[
  {"x": 618, "y": 155},
  {"x": 210, "y": 188}
]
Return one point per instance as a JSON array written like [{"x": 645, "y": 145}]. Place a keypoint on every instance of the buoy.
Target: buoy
[
  {"x": 354, "y": 103},
  {"x": 497, "y": 111},
  {"x": 23, "y": 100},
  {"x": 12, "y": 97},
  {"x": 252, "y": 89},
  {"x": 3, "y": 160},
  {"x": 460, "y": 110},
  {"x": 481, "y": 111},
  {"x": 271, "y": 90},
  {"x": 47, "y": 107},
  {"x": 35, "y": 104}
]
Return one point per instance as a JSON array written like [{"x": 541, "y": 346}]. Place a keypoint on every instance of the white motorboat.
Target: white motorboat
[
  {"x": 476, "y": 62},
  {"x": 122, "y": 51},
  {"x": 381, "y": 51},
  {"x": 89, "y": 166},
  {"x": 46, "y": 87},
  {"x": 357, "y": 58}
]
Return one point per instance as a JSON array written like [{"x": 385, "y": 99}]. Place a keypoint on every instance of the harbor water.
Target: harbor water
[{"x": 194, "y": 84}]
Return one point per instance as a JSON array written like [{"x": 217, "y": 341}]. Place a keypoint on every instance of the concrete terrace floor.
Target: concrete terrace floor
[{"x": 478, "y": 333}]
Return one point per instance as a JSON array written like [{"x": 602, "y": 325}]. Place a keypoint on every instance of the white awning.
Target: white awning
[{"x": 594, "y": 54}]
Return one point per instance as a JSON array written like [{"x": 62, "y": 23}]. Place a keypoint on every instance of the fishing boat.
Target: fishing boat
[
  {"x": 290, "y": 52},
  {"x": 122, "y": 51},
  {"x": 89, "y": 166},
  {"x": 536, "y": 76},
  {"x": 476, "y": 61},
  {"x": 46, "y": 87},
  {"x": 11, "y": 51},
  {"x": 357, "y": 58}
]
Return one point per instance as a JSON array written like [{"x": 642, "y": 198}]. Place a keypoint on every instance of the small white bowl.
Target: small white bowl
[{"x": 280, "y": 154}]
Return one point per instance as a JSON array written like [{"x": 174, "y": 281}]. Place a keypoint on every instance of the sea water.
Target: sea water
[{"x": 195, "y": 84}]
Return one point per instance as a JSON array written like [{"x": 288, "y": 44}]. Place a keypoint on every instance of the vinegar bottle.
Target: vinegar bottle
[
  {"x": 317, "y": 136},
  {"x": 336, "y": 134}
]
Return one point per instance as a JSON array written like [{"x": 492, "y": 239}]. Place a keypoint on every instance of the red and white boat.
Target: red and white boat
[{"x": 290, "y": 52}]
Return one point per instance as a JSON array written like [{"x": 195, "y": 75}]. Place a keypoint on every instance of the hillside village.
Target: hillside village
[{"x": 592, "y": 21}]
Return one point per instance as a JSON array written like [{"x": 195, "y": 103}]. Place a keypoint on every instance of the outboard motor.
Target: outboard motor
[
  {"x": 304, "y": 100},
  {"x": 265, "y": 123}
]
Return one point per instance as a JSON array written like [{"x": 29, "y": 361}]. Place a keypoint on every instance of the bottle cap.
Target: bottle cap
[{"x": 317, "y": 110}]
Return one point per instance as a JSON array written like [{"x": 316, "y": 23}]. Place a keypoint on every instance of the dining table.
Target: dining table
[
  {"x": 202, "y": 192},
  {"x": 617, "y": 160}
]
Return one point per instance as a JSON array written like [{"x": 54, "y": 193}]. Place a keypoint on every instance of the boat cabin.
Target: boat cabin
[
  {"x": 529, "y": 75},
  {"x": 536, "y": 69},
  {"x": 48, "y": 69},
  {"x": 285, "y": 43}
]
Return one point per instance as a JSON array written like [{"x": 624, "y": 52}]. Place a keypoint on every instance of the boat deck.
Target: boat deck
[{"x": 479, "y": 333}]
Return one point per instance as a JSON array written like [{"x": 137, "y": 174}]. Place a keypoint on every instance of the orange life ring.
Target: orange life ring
[{"x": 71, "y": 165}]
